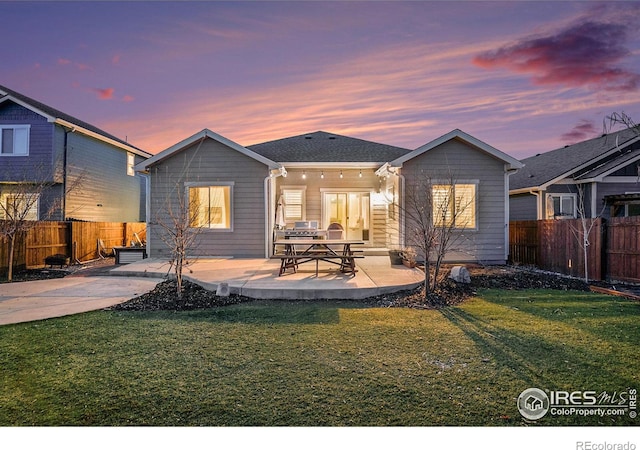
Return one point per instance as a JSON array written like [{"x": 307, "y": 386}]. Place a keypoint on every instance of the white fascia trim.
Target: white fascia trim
[
  {"x": 387, "y": 170},
  {"x": 331, "y": 165},
  {"x": 613, "y": 180},
  {"x": 459, "y": 134},
  {"x": 206, "y": 133},
  {"x": 102, "y": 138},
  {"x": 66, "y": 124},
  {"x": 527, "y": 190},
  {"x": 618, "y": 167}
]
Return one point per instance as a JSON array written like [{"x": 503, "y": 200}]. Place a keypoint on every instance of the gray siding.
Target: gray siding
[
  {"x": 523, "y": 207},
  {"x": 99, "y": 188},
  {"x": 463, "y": 163},
  {"x": 38, "y": 165},
  {"x": 212, "y": 162},
  {"x": 350, "y": 182}
]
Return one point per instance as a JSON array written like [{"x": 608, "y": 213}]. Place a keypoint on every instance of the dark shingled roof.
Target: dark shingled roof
[
  {"x": 545, "y": 167},
  {"x": 60, "y": 115},
  {"x": 322, "y": 147}
]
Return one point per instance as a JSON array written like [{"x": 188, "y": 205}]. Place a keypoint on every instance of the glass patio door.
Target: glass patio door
[{"x": 349, "y": 209}]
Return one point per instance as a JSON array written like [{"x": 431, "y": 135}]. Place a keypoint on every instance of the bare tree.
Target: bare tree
[
  {"x": 176, "y": 216},
  {"x": 436, "y": 211},
  {"x": 619, "y": 120},
  {"x": 586, "y": 225},
  {"x": 24, "y": 202}
]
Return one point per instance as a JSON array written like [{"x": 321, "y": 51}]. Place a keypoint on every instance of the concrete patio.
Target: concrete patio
[{"x": 258, "y": 278}]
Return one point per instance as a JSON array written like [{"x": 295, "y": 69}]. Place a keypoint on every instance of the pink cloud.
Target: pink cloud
[
  {"x": 583, "y": 131},
  {"x": 63, "y": 61},
  {"x": 104, "y": 94},
  {"x": 115, "y": 59},
  {"x": 585, "y": 54},
  {"x": 81, "y": 66},
  {"x": 128, "y": 98}
]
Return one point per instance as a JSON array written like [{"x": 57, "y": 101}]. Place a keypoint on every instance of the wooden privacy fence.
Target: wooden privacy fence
[
  {"x": 623, "y": 249},
  {"x": 76, "y": 240},
  {"x": 555, "y": 245}
]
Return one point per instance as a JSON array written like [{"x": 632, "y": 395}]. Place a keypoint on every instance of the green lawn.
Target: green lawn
[{"x": 315, "y": 363}]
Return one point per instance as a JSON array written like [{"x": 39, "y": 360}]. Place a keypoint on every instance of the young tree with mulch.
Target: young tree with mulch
[
  {"x": 176, "y": 218},
  {"x": 436, "y": 208}
]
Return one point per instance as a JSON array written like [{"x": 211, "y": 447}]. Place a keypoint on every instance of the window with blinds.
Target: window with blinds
[
  {"x": 294, "y": 204},
  {"x": 454, "y": 205}
]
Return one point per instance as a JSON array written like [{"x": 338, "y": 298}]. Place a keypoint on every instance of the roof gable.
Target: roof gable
[
  {"x": 462, "y": 136},
  {"x": 55, "y": 116},
  {"x": 204, "y": 134},
  {"x": 323, "y": 147},
  {"x": 547, "y": 168}
]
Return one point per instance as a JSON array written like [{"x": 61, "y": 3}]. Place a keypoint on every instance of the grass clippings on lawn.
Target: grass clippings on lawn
[{"x": 338, "y": 363}]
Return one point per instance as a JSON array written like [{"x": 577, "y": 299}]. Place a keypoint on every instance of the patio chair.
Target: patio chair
[
  {"x": 102, "y": 250},
  {"x": 334, "y": 231}
]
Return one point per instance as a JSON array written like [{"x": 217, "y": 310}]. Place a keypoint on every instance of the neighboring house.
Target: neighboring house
[
  {"x": 233, "y": 192},
  {"x": 41, "y": 146},
  {"x": 602, "y": 174}
]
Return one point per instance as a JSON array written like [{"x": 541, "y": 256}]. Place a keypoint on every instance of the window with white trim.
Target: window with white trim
[
  {"x": 561, "y": 206},
  {"x": 14, "y": 140},
  {"x": 19, "y": 206},
  {"x": 455, "y": 205},
  {"x": 131, "y": 161},
  {"x": 294, "y": 204},
  {"x": 211, "y": 206}
]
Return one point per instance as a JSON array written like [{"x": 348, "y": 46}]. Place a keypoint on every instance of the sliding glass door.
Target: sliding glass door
[{"x": 349, "y": 209}]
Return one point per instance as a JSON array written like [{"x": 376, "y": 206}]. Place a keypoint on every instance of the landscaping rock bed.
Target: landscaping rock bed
[
  {"x": 164, "y": 297},
  {"x": 97, "y": 267}
]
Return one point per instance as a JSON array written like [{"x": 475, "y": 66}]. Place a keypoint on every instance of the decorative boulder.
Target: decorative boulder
[{"x": 460, "y": 274}]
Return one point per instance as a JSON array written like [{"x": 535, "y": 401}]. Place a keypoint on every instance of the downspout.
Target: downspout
[
  {"x": 267, "y": 214},
  {"x": 402, "y": 215},
  {"x": 64, "y": 174},
  {"x": 594, "y": 204},
  {"x": 269, "y": 218},
  {"x": 64, "y": 171},
  {"x": 507, "y": 211},
  {"x": 536, "y": 194},
  {"x": 147, "y": 210}
]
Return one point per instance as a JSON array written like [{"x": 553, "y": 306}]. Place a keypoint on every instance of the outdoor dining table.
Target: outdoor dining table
[{"x": 334, "y": 251}]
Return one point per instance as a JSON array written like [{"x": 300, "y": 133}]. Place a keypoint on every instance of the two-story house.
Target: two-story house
[{"x": 76, "y": 170}]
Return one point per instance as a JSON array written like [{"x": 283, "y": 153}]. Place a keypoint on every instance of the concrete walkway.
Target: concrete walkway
[
  {"x": 258, "y": 278},
  {"x": 36, "y": 300},
  {"x": 255, "y": 278}
]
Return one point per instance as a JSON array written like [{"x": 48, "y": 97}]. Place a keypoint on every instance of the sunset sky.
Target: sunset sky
[{"x": 525, "y": 77}]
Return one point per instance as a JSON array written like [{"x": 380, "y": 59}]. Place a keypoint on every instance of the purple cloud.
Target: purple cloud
[
  {"x": 583, "y": 131},
  {"x": 585, "y": 54}
]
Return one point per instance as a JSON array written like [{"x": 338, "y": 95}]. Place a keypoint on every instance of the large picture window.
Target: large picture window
[
  {"x": 19, "y": 206},
  {"x": 14, "y": 140},
  {"x": 561, "y": 206},
  {"x": 454, "y": 205},
  {"x": 210, "y": 207}
]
